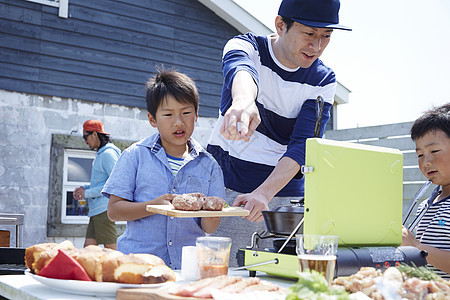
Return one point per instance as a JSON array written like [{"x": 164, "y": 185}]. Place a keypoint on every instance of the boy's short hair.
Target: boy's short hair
[
  {"x": 168, "y": 82},
  {"x": 432, "y": 120}
]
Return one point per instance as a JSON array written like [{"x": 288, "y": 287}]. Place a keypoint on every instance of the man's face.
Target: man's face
[
  {"x": 91, "y": 139},
  {"x": 301, "y": 45},
  {"x": 433, "y": 153},
  {"x": 175, "y": 122}
]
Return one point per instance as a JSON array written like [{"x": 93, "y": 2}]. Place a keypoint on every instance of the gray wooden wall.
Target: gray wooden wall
[
  {"x": 107, "y": 49},
  {"x": 393, "y": 136}
]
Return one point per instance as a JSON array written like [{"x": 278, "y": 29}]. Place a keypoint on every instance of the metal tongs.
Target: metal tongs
[
  {"x": 416, "y": 198},
  {"x": 319, "y": 110}
]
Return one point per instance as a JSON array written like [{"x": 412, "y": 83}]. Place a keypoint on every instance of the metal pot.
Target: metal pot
[
  {"x": 290, "y": 248},
  {"x": 283, "y": 219}
]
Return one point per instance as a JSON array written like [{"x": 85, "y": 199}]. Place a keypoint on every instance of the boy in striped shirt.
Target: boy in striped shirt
[{"x": 431, "y": 133}]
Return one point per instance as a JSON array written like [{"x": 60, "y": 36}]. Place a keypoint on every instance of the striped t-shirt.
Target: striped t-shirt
[
  {"x": 286, "y": 103},
  {"x": 175, "y": 163},
  {"x": 434, "y": 228}
]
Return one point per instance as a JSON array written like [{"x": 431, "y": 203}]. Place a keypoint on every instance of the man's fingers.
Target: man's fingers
[
  {"x": 260, "y": 218},
  {"x": 252, "y": 126},
  {"x": 229, "y": 128},
  {"x": 239, "y": 201},
  {"x": 243, "y": 124},
  {"x": 253, "y": 215}
]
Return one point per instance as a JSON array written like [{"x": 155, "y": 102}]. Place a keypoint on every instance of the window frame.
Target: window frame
[
  {"x": 70, "y": 186},
  {"x": 62, "y": 5},
  {"x": 55, "y": 227}
]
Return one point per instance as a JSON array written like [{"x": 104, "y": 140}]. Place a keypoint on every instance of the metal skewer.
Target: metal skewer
[
  {"x": 274, "y": 261},
  {"x": 416, "y": 198},
  {"x": 434, "y": 195},
  {"x": 291, "y": 235}
]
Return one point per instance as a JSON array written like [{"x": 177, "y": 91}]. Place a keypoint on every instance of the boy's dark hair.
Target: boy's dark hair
[
  {"x": 168, "y": 82},
  {"x": 432, "y": 120}
]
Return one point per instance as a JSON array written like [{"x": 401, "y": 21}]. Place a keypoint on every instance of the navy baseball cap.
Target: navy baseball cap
[{"x": 313, "y": 13}]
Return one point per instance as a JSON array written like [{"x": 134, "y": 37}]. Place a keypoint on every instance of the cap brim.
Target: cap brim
[{"x": 322, "y": 24}]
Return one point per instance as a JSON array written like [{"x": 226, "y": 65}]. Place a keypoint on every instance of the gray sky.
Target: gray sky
[{"x": 396, "y": 61}]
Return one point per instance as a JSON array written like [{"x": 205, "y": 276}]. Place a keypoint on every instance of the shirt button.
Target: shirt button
[
  {"x": 174, "y": 190},
  {"x": 170, "y": 243}
]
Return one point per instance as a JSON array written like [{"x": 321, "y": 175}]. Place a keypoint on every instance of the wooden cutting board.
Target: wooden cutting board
[
  {"x": 168, "y": 210},
  {"x": 149, "y": 294}
]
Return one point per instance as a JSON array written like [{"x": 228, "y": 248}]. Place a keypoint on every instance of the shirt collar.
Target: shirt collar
[{"x": 154, "y": 143}]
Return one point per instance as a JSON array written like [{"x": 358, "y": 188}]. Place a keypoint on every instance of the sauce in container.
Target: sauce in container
[
  {"x": 207, "y": 271},
  {"x": 213, "y": 255}
]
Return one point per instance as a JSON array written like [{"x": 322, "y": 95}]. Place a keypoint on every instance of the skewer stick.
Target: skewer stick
[
  {"x": 291, "y": 235},
  {"x": 416, "y": 198}
]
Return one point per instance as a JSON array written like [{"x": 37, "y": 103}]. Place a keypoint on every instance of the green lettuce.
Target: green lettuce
[{"x": 312, "y": 285}]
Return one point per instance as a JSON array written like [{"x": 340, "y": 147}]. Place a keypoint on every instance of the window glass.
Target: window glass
[
  {"x": 77, "y": 172},
  {"x": 79, "y": 169},
  {"x": 75, "y": 207}
]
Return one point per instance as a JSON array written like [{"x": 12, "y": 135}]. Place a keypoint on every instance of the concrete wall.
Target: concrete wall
[{"x": 27, "y": 123}]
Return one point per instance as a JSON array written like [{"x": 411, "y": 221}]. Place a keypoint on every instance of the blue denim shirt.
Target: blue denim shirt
[
  {"x": 105, "y": 159},
  {"x": 142, "y": 173}
]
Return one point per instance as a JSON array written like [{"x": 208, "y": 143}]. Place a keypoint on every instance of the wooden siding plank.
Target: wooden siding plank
[
  {"x": 182, "y": 15},
  {"x": 18, "y": 11},
  {"x": 410, "y": 159},
  {"x": 14, "y": 85},
  {"x": 409, "y": 190},
  {"x": 81, "y": 81},
  {"x": 93, "y": 95},
  {"x": 118, "y": 67},
  {"x": 380, "y": 131},
  {"x": 16, "y": 43},
  {"x": 106, "y": 55},
  {"x": 18, "y": 71},
  {"x": 14, "y": 56},
  {"x": 146, "y": 36},
  {"x": 133, "y": 51},
  {"x": 167, "y": 28},
  {"x": 404, "y": 143},
  {"x": 413, "y": 174},
  {"x": 19, "y": 29}
]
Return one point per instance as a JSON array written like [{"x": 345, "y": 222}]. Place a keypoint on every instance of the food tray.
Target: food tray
[{"x": 170, "y": 211}]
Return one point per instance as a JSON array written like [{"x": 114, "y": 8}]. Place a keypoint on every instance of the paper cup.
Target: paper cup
[{"x": 189, "y": 265}]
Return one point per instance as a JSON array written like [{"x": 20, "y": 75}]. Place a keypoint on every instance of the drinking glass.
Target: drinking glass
[{"x": 317, "y": 252}]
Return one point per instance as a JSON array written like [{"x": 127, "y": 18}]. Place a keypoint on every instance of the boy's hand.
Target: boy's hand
[
  {"x": 163, "y": 199},
  {"x": 408, "y": 238}
]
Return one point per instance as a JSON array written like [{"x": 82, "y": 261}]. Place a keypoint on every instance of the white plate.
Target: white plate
[{"x": 91, "y": 288}]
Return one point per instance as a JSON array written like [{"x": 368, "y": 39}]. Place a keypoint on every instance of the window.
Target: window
[
  {"x": 76, "y": 172},
  {"x": 70, "y": 167},
  {"x": 63, "y": 6}
]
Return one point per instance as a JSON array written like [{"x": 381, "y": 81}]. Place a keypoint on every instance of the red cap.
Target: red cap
[{"x": 94, "y": 125}]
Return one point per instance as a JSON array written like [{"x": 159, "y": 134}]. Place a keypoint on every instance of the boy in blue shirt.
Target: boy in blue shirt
[
  {"x": 156, "y": 168},
  {"x": 431, "y": 133}
]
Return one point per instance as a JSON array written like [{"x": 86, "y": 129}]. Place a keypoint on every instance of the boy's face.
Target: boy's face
[
  {"x": 175, "y": 122},
  {"x": 433, "y": 153}
]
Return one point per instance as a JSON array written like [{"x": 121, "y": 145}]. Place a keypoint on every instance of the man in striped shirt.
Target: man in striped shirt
[
  {"x": 431, "y": 133},
  {"x": 267, "y": 108}
]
